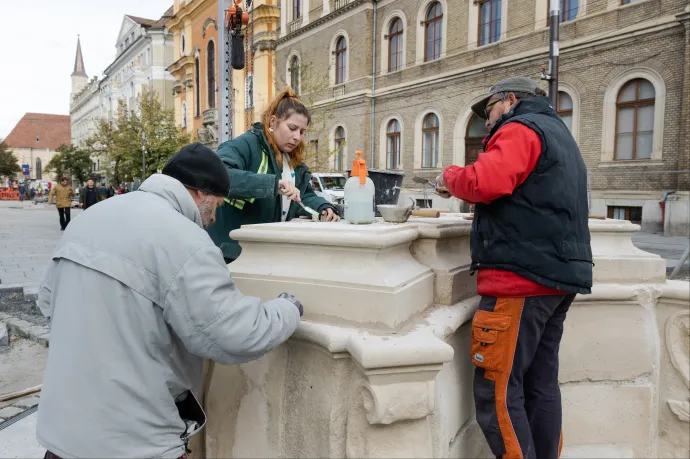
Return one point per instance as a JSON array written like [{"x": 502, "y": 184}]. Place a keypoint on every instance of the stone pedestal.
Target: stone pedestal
[{"x": 380, "y": 364}]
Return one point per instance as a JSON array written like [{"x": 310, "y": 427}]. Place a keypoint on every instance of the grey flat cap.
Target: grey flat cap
[{"x": 512, "y": 84}]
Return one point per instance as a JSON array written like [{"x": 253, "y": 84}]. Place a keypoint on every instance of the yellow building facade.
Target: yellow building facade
[{"x": 196, "y": 64}]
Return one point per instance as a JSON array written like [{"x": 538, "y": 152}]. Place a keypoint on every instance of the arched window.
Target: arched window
[
  {"x": 197, "y": 109},
  {"x": 433, "y": 28},
  {"x": 294, "y": 74},
  {"x": 430, "y": 140},
  {"x": 39, "y": 169},
  {"x": 395, "y": 45},
  {"x": 393, "y": 145},
  {"x": 565, "y": 109},
  {"x": 340, "y": 60},
  {"x": 635, "y": 120},
  {"x": 476, "y": 131},
  {"x": 489, "y": 21},
  {"x": 211, "y": 73},
  {"x": 183, "y": 114},
  {"x": 339, "y": 139}
]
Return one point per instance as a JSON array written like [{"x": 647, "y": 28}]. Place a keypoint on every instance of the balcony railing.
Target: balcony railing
[
  {"x": 211, "y": 116},
  {"x": 339, "y": 91},
  {"x": 337, "y": 4},
  {"x": 294, "y": 25}
]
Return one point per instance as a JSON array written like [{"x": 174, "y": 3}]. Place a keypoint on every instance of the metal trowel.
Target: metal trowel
[{"x": 315, "y": 216}]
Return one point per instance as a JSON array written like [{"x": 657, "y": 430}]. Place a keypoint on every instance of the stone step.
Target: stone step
[{"x": 598, "y": 451}]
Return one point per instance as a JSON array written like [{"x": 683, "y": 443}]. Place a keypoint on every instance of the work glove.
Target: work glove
[{"x": 294, "y": 301}]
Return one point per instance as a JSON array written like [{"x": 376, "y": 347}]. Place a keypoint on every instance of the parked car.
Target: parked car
[{"x": 330, "y": 186}]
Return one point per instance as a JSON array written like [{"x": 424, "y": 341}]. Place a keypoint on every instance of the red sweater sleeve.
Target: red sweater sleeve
[{"x": 510, "y": 156}]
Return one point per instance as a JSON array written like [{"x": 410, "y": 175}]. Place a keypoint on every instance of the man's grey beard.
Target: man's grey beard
[{"x": 207, "y": 211}]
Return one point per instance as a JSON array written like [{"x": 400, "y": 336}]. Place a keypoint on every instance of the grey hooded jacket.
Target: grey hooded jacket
[{"x": 139, "y": 294}]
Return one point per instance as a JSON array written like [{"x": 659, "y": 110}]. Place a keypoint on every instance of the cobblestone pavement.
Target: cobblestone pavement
[{"x": 28, "y": 235}]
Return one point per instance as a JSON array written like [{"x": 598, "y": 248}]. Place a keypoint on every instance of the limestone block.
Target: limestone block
[
  {"x": 245, "y": 408},
  {"x": 470, "y": 443},
  {"x": 316, "y": 401},
  {"x": 404, "y": 439},
  {"x": 673, "y": 318},
  {"x": 607, "y": 341},
  {"x": 342, "y": 273},
  {"x": 454, "y": 397},
  {"x": 604, "y": 413},
  {"x": 617, "y": 260},
  {"x": 4, "y": 335},
  {"x": 444, "y": 246}
]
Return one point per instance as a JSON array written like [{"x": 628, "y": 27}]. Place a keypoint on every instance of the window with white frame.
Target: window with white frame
[
  {"x": 395, "y": 45},
  {"x": 635, "y": 120},
  {"x": 339, "y": 143},
  {"x": 564, "y": 109},
  {"x": 393, "y": 144},
  {"x": 489, "y": 21},
  {"x": 430, "y": 141},
  {"x": 340, "y": 60},
  {"x": 433, "y": 32},
  {"x": 294, "y": 74}
]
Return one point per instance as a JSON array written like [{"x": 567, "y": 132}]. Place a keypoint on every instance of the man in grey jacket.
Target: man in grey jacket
[{"x": 139, "y": 295}]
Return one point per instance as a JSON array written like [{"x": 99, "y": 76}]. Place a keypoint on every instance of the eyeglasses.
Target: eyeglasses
[{"x": 488, "y": 107}]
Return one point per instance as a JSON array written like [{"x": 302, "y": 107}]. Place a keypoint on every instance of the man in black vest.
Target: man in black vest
[{"x": 531, "y": 250}]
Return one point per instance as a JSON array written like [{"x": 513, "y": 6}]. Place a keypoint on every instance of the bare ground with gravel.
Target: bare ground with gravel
[{"x": 17, "y": 306}]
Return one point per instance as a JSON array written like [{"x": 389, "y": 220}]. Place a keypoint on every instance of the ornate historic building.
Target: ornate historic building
[
  {"x": 34, "y": 141},
  {"x": 195, "y": 68},
  {"x": 403, "y": 74}
]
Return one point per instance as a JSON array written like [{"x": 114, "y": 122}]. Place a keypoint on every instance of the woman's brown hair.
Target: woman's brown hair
[{"x": 285, "y": 104}]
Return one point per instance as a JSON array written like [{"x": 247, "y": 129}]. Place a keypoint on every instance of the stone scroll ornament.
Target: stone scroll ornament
[{"x": 678, "y": 344}]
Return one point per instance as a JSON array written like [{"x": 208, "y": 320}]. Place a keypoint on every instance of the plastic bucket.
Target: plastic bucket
[{"x": 387, "y": 185}]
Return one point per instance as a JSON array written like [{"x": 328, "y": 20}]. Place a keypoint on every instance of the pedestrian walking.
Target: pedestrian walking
[
  {"x": 22, "y": 192},
  {"x": 530, "y": 244},
  {"x": 89, "y": 195},
  {"x": 111, "y": 192},
  {"x": 63, "y": 195},
  {"x": 267, "y": 173},
  {"x": 141, "y": 296}
]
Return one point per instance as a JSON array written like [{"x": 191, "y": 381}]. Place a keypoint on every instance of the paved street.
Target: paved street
[{"x": 28, "y": 236}]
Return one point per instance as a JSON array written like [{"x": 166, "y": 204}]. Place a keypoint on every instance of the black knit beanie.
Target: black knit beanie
[{"x": 199, "y": 168}]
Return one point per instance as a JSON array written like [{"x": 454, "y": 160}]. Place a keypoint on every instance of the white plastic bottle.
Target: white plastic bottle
[{"x": 359, "y": 194}]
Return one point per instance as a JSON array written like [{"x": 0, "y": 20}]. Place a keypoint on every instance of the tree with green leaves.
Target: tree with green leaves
[
  {"x": 312, "y": 87},
  {"x": 137, "y": 143},
  {"x": 9, "y": 164},
  {"x": 71, "y": 161}
]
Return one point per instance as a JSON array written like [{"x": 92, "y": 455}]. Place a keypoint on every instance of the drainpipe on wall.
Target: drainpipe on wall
[
  {"x": 373, "y": 88},
  {"x": 662, "y": 204}
]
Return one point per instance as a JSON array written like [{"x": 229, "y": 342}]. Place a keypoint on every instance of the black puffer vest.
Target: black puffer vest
[{"x": 541, "y": 231}]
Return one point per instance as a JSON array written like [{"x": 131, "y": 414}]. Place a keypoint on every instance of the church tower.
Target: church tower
[{"x": 79, "y": 77}]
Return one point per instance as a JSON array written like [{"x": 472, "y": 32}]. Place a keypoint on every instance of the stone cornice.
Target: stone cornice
[
  {"x": 180, "y": 65},
  {"x": 322, "y": 20}
]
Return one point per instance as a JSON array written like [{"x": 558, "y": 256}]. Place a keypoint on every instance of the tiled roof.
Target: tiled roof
[
  {"x": 156, "y": 24},
  {"x": 51, "y": 131},
  {"x": 143, "y": 21}
]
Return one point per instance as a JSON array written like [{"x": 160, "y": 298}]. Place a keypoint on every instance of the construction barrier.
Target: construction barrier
[{"x": 9, "y": 195}]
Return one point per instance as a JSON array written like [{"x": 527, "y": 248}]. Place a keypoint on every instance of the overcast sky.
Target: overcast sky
[{"x": 39, "y": 41}]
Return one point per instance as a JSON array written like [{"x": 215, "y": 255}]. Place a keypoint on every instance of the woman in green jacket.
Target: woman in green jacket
[{"x": 267, "y": 174}]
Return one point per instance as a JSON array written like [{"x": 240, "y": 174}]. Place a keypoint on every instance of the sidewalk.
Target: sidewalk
[
  {"x": 28, "y": 235},
  {"x": 669, "y": 248}
]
